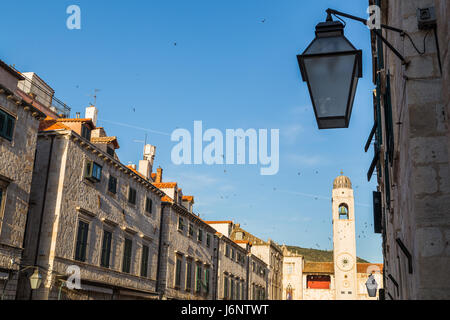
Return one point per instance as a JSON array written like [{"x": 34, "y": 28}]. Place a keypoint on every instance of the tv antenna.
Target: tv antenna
[{"x": 95, "y": 96}]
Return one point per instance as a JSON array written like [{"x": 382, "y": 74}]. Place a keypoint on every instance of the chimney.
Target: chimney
[
  {"x": 146, "y": 165},
  {"x": 133, "y": 166},
  {"x": 159, "y": 175},
  {"x": 92, "y": 113}
]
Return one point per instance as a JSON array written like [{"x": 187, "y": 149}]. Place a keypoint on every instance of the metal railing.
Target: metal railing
[{"x": 45, "y": 97}]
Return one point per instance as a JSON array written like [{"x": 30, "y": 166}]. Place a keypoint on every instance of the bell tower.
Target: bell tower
[{"x": 344, "y": 242}]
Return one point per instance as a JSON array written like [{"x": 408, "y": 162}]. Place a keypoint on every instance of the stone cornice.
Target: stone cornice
[
  {"x": 37, "y": 114},
  {"x": 186, "y": 213},
  {"x": 87, "y": 145}
]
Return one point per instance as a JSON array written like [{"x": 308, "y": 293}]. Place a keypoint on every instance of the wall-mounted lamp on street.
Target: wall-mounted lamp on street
[
  {"x": 35, "y": 279},
  {"x": 331, "y": 66},
  {"x": 372, "y": 286}
]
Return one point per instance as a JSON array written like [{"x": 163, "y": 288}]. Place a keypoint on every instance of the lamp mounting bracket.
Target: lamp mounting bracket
[{"x": 376, "y": 31}]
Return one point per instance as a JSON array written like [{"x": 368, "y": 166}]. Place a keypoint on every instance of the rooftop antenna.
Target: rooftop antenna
[
  {"x": 142, "y": 141},
  {"x": 94, "y": 96}
]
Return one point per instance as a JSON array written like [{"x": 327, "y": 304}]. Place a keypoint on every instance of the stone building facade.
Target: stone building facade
[
  {"x": 292, "y": 275},
  {"x": 232, "y": 270},
  {"x": 412, "y": 108},
  {"x": 269, "y": 252},
  {"x": 187, "y": 268},
  {"x": 258, "y": 278},
  {"x": 19, "y": 122},
  {"x": 89, "y": 212}
]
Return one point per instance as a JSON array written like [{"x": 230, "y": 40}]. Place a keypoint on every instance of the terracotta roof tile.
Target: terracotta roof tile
[
  {"x": 318, "y": 267},
  {"x": 165, "y": 185},
  {"x": 49, "y": 124},
  {"x": 166, "y": 199},
  {"x": 188, "y": 198},
  {"x": 112, "y": 140},
  {"x": 217, "y": 222}
]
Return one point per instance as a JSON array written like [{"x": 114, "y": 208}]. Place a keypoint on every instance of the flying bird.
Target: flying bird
[{"x": 263, "y": 20}]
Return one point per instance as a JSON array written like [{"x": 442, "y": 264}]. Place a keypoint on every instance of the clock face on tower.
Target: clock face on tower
[{"x": 345, "y": 262}]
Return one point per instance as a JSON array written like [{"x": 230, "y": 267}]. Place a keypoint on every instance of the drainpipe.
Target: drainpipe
[
  {"x": 160, "y": 248},
  {"x": 216, "y": 262},
  {"x": 44, "y": 198},
  {"x": 248, "y": 275}
]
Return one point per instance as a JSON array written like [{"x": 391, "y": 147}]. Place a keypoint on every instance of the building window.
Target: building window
[
  {"x": 318, "y": 282},
  {"x": 86, "y": 132},
  {"x": 112, "y": 184},
  {"x": 191, "y": 229},
  {"x": 198, "y": 278},
  {"x": 1, "y": 202},
  {"x": 225, "y": 287},
  {"x": 93, "y": 171},
  {"x": 148, "y": 205},
  {"x": 178, "y": 272},
  {"x": 343, "y": 211},
  {"x": 227, "y": 251},
  {"x": 110, "y": 151},
  {"x": 290, "y": 268},
  {"x": 208, "y": 240},
  {"x": 180, "y": 224},
  {"x": 131, "y": 195},
  {"x": 207, "y": 275},
  {"x": 82, "y": 236},
  {"x": 128, "y": 246},
  {"x": 239, "y": 235},
  {"x": 144, "y": 261},
  {"x": 189, "y": 275},
  {"x": 233, "y": 254},
  {"x": 106, "y": 249},
  {"x": 232, "y": 289},
  {"x": 200, "y": 235},
  {"x": 7, "y": 123}
]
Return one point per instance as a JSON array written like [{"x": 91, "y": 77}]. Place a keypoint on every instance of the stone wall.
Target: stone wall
[
  {"x": 16, "y": 168},
  {"x": 179, "y": 243},
  {"x": 229, "y": 267},
  {"x": 69, "y": 198},
  {"x": 420, "y": 189}
]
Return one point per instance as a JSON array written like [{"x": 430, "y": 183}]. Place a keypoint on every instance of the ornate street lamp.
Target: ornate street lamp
[
  {"x": 371, "y": 285},
  {"x": 331, "y": 66}
]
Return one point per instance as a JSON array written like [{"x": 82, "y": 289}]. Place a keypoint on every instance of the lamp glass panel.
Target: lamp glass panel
[
  {"x": 330, "y": 79},
  {"x": 329, "y": 44}
]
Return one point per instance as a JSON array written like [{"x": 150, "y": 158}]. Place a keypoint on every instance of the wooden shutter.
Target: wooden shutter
[
  {"x": 106, "y": 249},
  {"x": 144, "y": 262},
  {"x": 80, "y": 251},
  {"x": 377, "y": 211}
]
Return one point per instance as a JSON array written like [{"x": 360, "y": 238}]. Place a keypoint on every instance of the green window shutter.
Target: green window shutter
[
  {"x": 112, "y": 184},
  {"x": 189, "y": 276},
  {"x": 148, "y": 205},
  {"x": 106, "y": 249},
  {"x": 2, "y": 123},
  {"x": 387, "y": 183},
  {"x": 178, "y": 273},
  {"x": 10, "y": 121},
  {"x": 389, "y": 120},
  {"x": 7, "y": 123},
  {"x": 207, "y": 280},
  {"x": 144, "y": 262},
  {"x": 81, "y": 244},
  {"x": 198, "y": 279},
  {"x": 225, "y": 287},
  {"x": 127, "y": 256}
]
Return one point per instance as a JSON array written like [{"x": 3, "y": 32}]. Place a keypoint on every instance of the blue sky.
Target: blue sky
[{"x": 228, "y": 69}]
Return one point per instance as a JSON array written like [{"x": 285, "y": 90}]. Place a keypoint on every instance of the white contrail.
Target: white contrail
[{"x": 135, "y": 127}]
